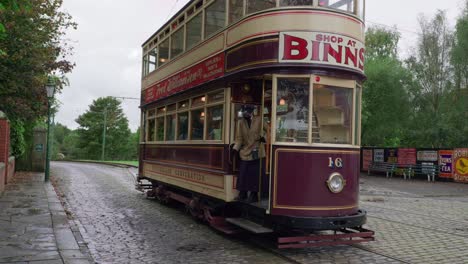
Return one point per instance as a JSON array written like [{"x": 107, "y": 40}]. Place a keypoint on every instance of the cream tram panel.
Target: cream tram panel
[
  {"x": 219, "y": 186},
  {"x": 304, "y": 20},
  {"x": 202, "y": 52}
]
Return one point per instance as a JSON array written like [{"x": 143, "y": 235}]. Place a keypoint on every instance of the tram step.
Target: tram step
[{"x": 249, "y": 225}]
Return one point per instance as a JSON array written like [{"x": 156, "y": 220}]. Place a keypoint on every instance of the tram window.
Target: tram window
[
  {"x": 333, "y": 108},
  {"x": 182, "y": 119},
  {"x": 183, "y": 105},
  {"x": 295, "y": 2},
  {"x": 357, "y": 117},
  {"x": 216, "y": 97},
  {"x": 145, "y": 65},
  {"x": 163, "y": 52},
  {"x": 197, "y": 101},
  {"x": 193, "y": 28},
  {"x": 170, "y": 127},
  {"x": 215, "y": 17},
  {"x": 292, "y": 110},
  {"x": 360, "y": 9},
  {"x": 236, "y": 10},
  {"x": 152, "y": 60},
  {"x": 160, "y": 129},
  {"x": 197, "y": 124},
  {"x": 259, "y": 5},
  {"x": 151, "y": 129},
  {"x": 177, "y": 42},
  {"x": 171, "y": 107},
  {"x": 215, "y": 122},
  {"x": 161, "y": 110},
  {"x": 151, "y": 113},
  {"x": 345, "y": 5}
]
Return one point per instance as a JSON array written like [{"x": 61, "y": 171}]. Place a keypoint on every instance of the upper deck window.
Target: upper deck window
[
  {"x": 194, "y": 31},
  {"x": 177, "y": 43},
  {"x": 215, "y": 17},
  {"x": 296, "y": 2},
  {"x": 345, "y": 5},
  {"x": 259, "y": 5},
  {"x": 163, "y": 52},
  {"x": 236, "y": 10},
  {"x": 152, "y": 60}
]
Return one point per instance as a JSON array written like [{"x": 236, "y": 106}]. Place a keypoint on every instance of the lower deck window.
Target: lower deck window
[
  {"x": 215, "y": 123},
  {"x": 170, "y": 127},
  {"x": 292, "y": 111},
  {"x": 198, "y": 119},
  {"x": 333, "y": 108}
]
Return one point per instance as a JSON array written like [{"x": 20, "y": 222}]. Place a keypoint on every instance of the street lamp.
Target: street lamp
[{"x": 50, "y": 88}]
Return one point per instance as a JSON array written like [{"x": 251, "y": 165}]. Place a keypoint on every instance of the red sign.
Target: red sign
[
  {"x": 445, "y": 163},
  {"x": 322, "y": 48},
  {"x": 460, "y": 166},
  {"x": 407, "y": 156},
  {"x": 366, "y": 158},
  {"x": 207, "y": 70}
]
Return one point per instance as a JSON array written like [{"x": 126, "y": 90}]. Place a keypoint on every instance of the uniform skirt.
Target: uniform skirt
[{"x": 249, "y": 171}]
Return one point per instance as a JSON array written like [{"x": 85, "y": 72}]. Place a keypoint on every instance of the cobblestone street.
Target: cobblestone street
[{"x": 415, "y": 222}]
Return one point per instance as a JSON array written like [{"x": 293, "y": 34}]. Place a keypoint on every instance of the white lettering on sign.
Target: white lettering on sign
[{"x": 321, "y": 48}]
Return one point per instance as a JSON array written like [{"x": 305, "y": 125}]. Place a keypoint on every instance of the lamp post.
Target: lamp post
[{"x": 50, "y": 88}]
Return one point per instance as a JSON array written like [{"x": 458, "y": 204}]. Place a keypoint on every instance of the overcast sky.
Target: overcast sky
[{"x": 107, "y": 44}]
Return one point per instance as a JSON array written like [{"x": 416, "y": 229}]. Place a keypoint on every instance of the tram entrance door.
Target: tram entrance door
[{"x": 252, "y": 136}]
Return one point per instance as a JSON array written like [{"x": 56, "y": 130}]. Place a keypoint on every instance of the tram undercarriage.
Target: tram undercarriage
[{"x": 234, "y": 218}]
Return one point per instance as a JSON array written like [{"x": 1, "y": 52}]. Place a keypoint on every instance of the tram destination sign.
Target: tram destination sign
[
  {"x": 322, "y": 48},
  {"x": 204, "y": 71}
]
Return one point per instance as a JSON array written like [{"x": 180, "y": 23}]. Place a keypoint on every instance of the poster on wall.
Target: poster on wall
[
  {"x": 407, "y": 156},
  {"x": 391, "y": 155},
  {"x": 460, "y": 165},
  {"x": 379, "y": 155},
  {"x": 445, "y": 163},
  {"x": 366, "y": 158},
  {"x": 428, "y": 155}
]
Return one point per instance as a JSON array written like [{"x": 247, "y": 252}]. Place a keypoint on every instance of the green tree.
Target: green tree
[
  {"x": 459, "y": 56},
  {"x": 433, "y": 74},
  {"x": 31, "y": 48},
  {"x": 105, "y": 113},
  {"x": 385, "y": 110}
]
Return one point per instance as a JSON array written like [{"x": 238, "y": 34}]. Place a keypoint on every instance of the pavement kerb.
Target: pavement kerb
[
  {"x": 67, "y": 244},
  {"x": 98, "y": 162}
]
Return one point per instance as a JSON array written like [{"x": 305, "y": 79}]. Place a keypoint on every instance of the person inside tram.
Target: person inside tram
[{"x": 249, "y": 147}]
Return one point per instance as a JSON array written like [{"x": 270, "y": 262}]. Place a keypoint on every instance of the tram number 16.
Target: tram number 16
[{"x": 337, "y": 163}]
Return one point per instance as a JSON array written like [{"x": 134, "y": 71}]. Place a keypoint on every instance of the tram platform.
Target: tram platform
[{"x": 34, "y": 227}]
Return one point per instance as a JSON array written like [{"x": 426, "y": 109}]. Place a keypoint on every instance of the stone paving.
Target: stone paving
[
  {"x": 33, "y": 224},
  {"x": 415, "y": 222}
]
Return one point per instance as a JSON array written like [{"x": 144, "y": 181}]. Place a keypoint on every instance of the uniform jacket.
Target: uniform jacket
[{"x": 247, "y": 138}]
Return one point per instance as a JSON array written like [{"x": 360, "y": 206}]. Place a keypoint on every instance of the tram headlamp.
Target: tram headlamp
[{"x": 336, "y": 183}]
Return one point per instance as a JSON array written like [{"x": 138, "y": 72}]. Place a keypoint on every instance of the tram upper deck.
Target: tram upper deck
[{"x": 210, "y": 39}]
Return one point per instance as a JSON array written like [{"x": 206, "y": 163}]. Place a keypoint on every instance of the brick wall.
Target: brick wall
[
  {"x": 2, "y": 177},
  {"x": 4, "y": 151}
]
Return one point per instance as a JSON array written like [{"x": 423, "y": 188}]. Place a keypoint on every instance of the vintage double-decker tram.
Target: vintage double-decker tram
[{"x": 300, "y": 62}]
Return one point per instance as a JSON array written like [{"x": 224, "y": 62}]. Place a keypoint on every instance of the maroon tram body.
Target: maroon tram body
[{"x": 301, "y": 65}]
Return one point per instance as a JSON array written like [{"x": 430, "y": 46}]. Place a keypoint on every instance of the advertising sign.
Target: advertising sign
[
  {"x": 407, "y": 156},
  {"x": 366, "y": 158},
  {"x": 379, "y": 155},
  {"x": 202, "y": 72},
  {"x": 445, "y": 163},
  {"x": 460, "y": 165},
  {"x": 428, "y": 155},
  {"x": 321, "y": 48},
  {"x": 391, "y": 155}
]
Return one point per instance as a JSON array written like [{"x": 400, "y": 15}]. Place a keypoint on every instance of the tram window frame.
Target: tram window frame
[
  {"x": 191, "y": 22},
  {"x": 326, "y": 4},
  {"x": 208, "y": 16},
  {"x": 256, "y": 2},
  {"x": 152, "y": 63},
  {"x": 178, "y": 42},
  {"x": 151, "y": 125},
  {"x": 323, "y": 80},
  {"x": 283, "y": 3}
]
